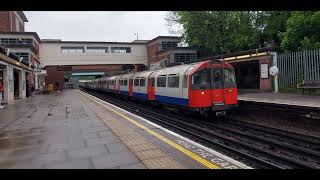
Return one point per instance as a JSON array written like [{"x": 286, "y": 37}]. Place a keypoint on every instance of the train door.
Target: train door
[
  {"x": 151, "y": 83},
  {"x": 218, "y": 97},
  {"x": 185, "y": 82},
  {"x": 230, "y": 86}
]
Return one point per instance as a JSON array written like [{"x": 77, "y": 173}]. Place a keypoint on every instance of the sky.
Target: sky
[{"x": 111, "y": 26}]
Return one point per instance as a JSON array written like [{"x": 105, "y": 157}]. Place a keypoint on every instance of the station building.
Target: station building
[
  {"x": 66, "y": 62},
  {"x": 19, "y": 56},
  {"x": 252, "y": 69}
]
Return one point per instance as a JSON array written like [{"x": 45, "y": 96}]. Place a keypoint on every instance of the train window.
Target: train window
[
  {"x": 173, "y": 81},
  {"x": 217, "y": 78},
  {"x": 229, "y": 78},
  {"x": 125, "y": 82},
  {"x": 136, "y": 82},
  {"x": 161, "y": 81},
  {"x": 142, "y": 82},
  {"x": 121, "y": 82},
  {"x": 201, "y": 79},
  {"x": 185, "y": 81}
]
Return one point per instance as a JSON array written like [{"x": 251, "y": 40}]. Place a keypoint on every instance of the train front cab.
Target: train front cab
[{"x": 213, "y": 87}]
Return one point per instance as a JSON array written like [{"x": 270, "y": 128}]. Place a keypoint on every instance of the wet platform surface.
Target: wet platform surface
[
  {"x": 59, "y": 131},
  {"x": 70, "y": 130},
  {"x": 281, "y": 98}
]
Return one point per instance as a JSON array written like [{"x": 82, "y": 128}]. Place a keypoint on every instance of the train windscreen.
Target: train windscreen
[
  {"x": 229, "y": 78},
  {"x": 201, "y": 80}
]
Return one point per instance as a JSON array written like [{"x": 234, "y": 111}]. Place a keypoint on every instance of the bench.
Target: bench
[{"x": 310, "y": 86}]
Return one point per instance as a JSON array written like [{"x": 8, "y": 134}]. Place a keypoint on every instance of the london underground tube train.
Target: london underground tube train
[{"x": 206, "y": 86}]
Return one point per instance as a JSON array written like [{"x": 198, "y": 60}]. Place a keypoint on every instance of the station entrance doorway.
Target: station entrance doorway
[
  {"x": 247, "y": 75},
  {"x": 27, "y": 85},
  {"x": 16, "y": 83}
]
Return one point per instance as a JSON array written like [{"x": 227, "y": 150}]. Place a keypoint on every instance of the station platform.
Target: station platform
[
  {"x": 74, "y": 130},
  {"x": 308, "y": 101}
]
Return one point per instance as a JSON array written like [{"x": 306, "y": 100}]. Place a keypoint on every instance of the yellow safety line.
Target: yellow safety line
[{"x": 164, "y": 139}]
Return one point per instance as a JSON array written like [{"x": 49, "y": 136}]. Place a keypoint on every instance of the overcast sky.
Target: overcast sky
[{"x": 97, "y": 25}]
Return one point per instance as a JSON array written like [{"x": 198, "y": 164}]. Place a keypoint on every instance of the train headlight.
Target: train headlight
[{"x": 202, "y": 92}]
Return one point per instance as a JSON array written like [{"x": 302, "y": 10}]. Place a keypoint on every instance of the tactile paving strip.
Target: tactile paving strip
[{"x": 151, "y": 156}]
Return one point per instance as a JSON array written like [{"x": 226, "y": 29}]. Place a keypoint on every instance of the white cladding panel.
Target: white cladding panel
[
  {"x": 178, "y": 92},
  {"x": 51, "y": 54}
]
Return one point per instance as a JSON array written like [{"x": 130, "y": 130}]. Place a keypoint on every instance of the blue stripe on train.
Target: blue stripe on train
[
  {"x": 126, "y": 93},
  {"x": 172, "y": 100},
  {"x": 140, "y": 95}
]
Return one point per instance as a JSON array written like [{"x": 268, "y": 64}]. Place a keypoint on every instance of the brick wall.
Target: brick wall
[
  {"x": 4, "y": 21},
  {"x": 5, "y": 24},
  {"x": 58, "y": 76},
  {"x": 152, "y": 51},
  {"x": 266, "y": 84},
  {"x": 54, "y": 76}
]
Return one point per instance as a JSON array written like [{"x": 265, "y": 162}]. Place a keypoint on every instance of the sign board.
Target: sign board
[
  {"x": 274, "y": 70},
  {"x": 40, "y": 71},
  {"x": 264, "y": 71}
]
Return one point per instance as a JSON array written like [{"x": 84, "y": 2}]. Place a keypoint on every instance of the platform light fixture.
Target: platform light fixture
[{"x": 8, "y": 51}]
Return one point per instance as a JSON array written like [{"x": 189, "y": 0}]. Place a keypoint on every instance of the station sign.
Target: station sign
[{"x": 40, "y": 71}]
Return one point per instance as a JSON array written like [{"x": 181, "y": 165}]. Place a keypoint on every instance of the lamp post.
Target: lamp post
[{"x": 137, "y": 35}]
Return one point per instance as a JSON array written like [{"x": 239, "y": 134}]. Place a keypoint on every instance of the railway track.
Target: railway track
[{"x": 257, "y": 146}]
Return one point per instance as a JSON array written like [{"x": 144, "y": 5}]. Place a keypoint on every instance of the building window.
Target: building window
[
  {"x": 185, "y": 57},
  {"x": 17, "y": 25},
  {"x": 161, "y": 81},
  {"x": 24, "y": 55},
  {"x": 120, "y": 49},
  {"x": 72, "y": 50},
  {"x": 168, "y": 44},
  {"x": 97, "y": 50},
  {"x": 15, "y": 41},
  {"x": 173, "y": 81}
]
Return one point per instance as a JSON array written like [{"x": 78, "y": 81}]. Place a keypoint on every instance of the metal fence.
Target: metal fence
[{"x": 297, "y": 66}]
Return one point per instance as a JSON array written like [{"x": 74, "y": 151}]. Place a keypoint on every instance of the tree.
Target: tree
[
  {"x": 302, "y": 32},
  {"x": 219, "y": 32}
]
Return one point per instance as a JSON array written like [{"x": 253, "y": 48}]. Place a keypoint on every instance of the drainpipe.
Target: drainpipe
[
  {"x": 10, "y": 21},
  {"x": 275, "y": 78}
]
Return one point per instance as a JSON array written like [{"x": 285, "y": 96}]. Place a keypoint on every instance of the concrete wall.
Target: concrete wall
[{"x": 50, "y": 54}]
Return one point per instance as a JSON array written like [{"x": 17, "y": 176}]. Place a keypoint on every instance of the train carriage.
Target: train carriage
[
  {"x": 169, "y": 87},
  {"x": 202, "y": 86}
]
